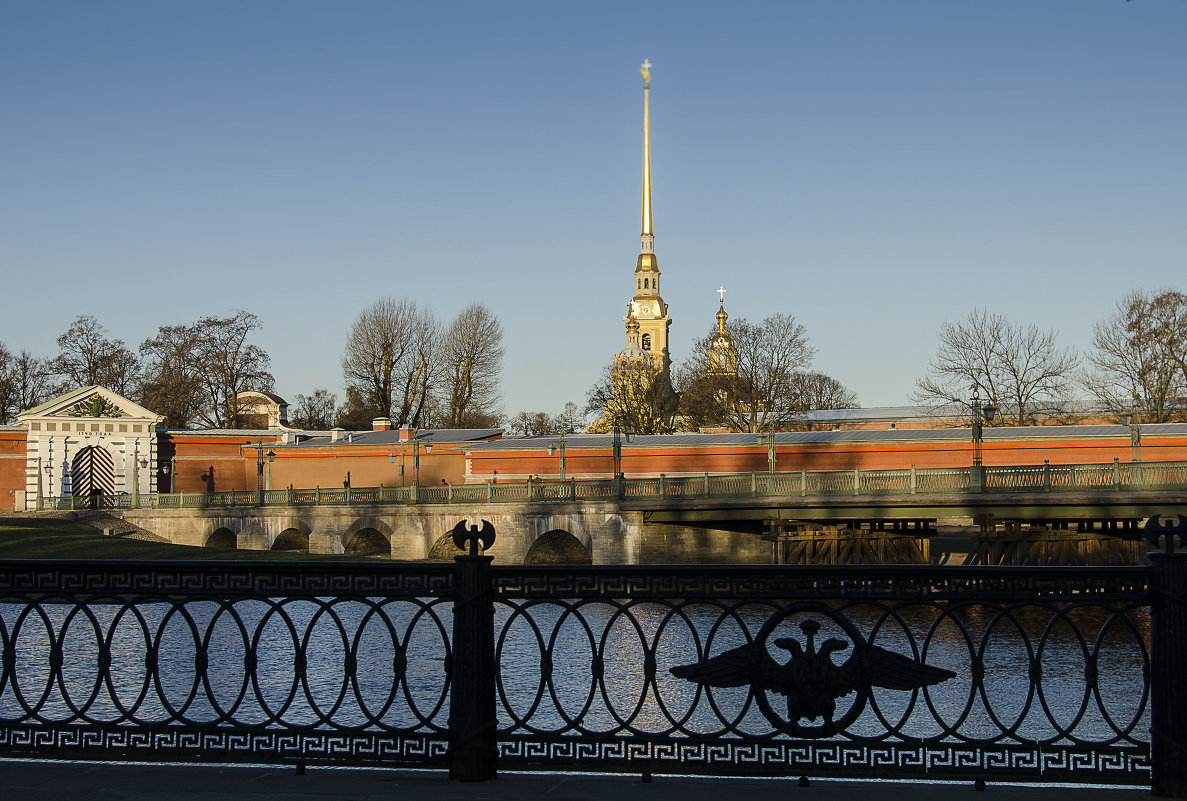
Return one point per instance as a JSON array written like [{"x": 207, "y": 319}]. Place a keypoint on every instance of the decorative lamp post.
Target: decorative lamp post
[
  {"x": 619, "y": 437},
  {"x": 986, "y": 412},
  {"x": 552, "y": 451},
  {"x": 268, "y": 474},
  {"x": 428, "y": 446},
  {"x": 260, "y": 472},
  {"x": 136, "y": 475},
  {"x": 40, "y": 497},
  {"x": 173, "y": 475},
  {"x": 1133, "y": 420},
  {"x": 769, "y": 438}
]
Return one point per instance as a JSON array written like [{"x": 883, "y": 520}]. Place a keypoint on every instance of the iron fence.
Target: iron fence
[
  {"x": 1115, "y": 477},
  {"x": 991, "y": 673}
]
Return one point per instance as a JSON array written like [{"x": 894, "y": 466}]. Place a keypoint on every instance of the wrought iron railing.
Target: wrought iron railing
[
  {"x": 1115, "y": 476},
  {"x": 1042, "y": 674}
]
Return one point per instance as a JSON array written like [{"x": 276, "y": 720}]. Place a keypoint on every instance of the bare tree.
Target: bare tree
[
  {"x": 820, "y": 391},
  {"x": 230, "y": 365},
  {"x": 636, "y": 396},
  {"x": 527, "y": 423},
  {"x": 571, "y": 419},
  {"x": 1020, "y": 369},
  {"x": 315, "y": 411},
  {"x": 1140, "y": 357},
  {"x": 173, "y": 381},
  {"x": 390, "y": 360},
  {"x": 8, "y": 404},
  {"x": 473, "y": 366},
  {"x": 87, "y": 357},
  {"x": 771, "y": 358}
]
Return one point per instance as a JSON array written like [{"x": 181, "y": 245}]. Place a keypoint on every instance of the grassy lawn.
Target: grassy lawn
[{"x": 42, "y": 538}]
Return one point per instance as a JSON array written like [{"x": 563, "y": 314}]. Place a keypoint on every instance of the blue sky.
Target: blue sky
[{"x": 872, "y": 167}]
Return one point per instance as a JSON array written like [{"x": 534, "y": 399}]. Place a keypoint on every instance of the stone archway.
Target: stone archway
[
  {"x": 291, "y": 539},
  {"x": 558, "y": 547},
  {"x": 222, "y": 538},
  {"x": 368, "y": 542}
]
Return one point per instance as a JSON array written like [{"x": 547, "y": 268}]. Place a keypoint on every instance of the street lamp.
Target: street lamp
[
  {"x": 769, "y": 438},
  {"x": 552, "y": 451},
  {"x": 989, "y": 411},
  {"x": 260, "y": 461},
  {"x": 137, "y": 463},
  {"x": 1133, "y": 420},
  {"x": 619, "y": 436},
  {"x": 391, "y": 458}
]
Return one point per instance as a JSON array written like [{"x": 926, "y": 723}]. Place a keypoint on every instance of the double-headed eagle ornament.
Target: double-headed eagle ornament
[{"x": 811, "y": 680}]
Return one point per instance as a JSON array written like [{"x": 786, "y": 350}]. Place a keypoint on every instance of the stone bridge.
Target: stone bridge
[
  {"x": 894, "y": 527},
  {"x": 598, "y": 532}
]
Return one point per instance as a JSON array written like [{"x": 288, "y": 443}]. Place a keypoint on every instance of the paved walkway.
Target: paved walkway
[{"x": 75, "y": 781}]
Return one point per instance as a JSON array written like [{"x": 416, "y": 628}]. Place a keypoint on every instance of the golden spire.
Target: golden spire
[{"x": 647, "y": 233}]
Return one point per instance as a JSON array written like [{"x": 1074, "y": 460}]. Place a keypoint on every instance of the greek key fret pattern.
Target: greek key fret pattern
[
  {"x": 199, "y": 745},
  {"x": 775, "y": 758},
  {"x": 217, "y": 580},
  {"x": 898, "y": 582}
]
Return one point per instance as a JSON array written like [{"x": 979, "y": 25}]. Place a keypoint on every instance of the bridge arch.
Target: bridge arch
[
  {"x": 368, "y": 537},
  {"x": 222, "y": 537},
  {"x": 558, "y": 547},
  {"x": 291, "y": 539},
  {"x": 290, "y": 534}
]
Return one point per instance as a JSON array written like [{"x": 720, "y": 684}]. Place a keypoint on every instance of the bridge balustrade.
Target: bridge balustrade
[{"x": 1039, "y": 674}]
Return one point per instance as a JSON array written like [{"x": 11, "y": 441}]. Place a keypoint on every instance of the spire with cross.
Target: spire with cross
[{"x": 647, "y": 308}]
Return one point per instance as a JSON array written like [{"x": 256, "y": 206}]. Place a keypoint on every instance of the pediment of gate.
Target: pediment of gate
[{"x": 91, "y": 404}]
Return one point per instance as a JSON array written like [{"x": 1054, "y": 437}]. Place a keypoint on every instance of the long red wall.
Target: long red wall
[
  {"x": 504, "y": 464},
  {"x": 233, "y": 459}
]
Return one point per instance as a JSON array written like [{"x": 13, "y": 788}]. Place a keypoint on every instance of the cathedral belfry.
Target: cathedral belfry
[
  {"x": 722, "y": 357},
  {"x": 647, "y": 319}
]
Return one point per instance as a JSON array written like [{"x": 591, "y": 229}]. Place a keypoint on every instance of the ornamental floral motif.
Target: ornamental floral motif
[{"x": 95, "y": 406}]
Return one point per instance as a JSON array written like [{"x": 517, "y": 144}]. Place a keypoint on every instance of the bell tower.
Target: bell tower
[{"x": 647, "y": 308}]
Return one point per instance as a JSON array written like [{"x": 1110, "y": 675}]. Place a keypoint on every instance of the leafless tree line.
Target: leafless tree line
[
  {"x": 190, "y": 373},
  {"x": 401, "y": 363},
  {"x": 1137, "y": 364}
]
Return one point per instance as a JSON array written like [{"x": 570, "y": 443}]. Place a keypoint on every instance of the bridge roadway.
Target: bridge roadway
[{"x": 1042, "y": 507}]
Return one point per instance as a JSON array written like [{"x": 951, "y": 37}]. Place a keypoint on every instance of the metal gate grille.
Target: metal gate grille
[{"x": 92, "y": 469}]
